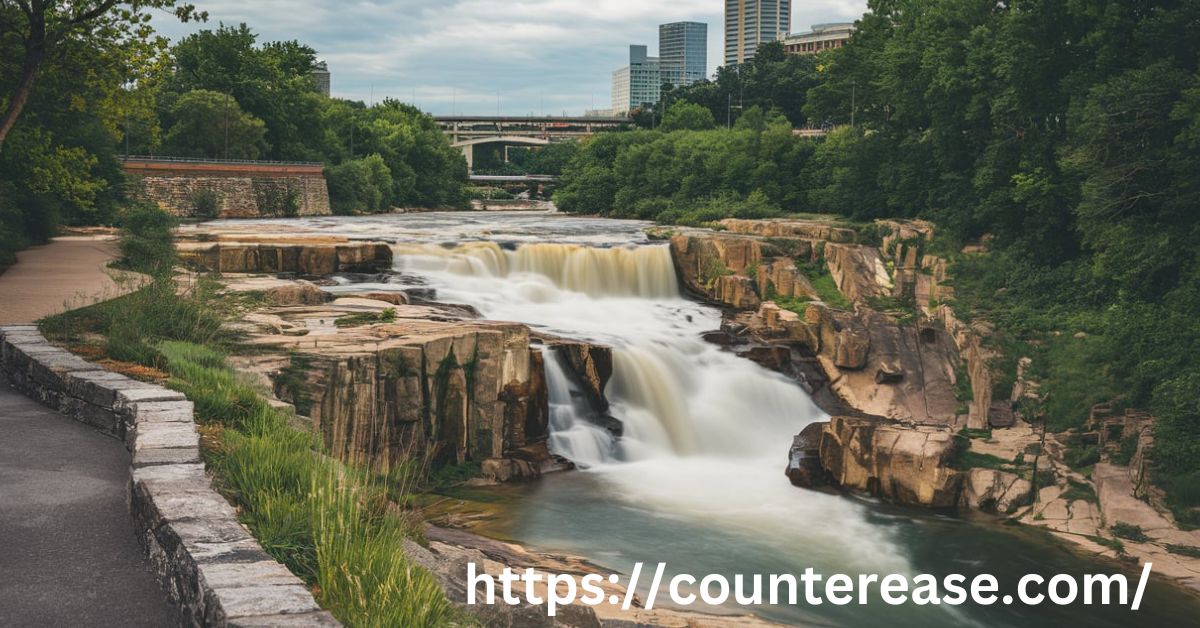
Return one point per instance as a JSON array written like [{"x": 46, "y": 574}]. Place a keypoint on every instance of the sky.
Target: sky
[{"x": 483, "y": 57}]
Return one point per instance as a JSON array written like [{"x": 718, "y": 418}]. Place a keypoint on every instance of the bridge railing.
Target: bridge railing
[{"x": 235, "y": 162}]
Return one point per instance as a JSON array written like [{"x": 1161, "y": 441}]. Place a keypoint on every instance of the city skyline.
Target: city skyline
[{"x": 539, "y": 56}]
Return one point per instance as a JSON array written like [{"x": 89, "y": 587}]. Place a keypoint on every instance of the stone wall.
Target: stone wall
[
  {"x": 210, "y": 567},
  {"x": 241, "y": 190}
]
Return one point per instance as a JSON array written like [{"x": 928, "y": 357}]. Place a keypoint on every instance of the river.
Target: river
[{"x": 697, "y": 478}]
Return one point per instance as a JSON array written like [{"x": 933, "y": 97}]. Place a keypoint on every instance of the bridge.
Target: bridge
[{"x": 467, "y": 132}]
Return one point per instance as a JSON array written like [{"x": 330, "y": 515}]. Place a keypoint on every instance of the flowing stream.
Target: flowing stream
[{"x": 696, "y": 480}]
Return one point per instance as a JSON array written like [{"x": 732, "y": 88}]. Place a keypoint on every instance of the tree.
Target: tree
[
  {"x": 43, "y": 25},
  {"x": 361, "y": 185},
  {"x": 688, "y": 116},
  {"x": 272, "y": 81},
  {"x": 213, "y": 125}
]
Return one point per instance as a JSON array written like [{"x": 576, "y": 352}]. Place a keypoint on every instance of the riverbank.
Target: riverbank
[
  {"x": 522, "y": 345},
  {"x": 470, "y": 271}
]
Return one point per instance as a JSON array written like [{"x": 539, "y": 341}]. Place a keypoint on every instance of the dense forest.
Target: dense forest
[
  {"x": 109, "y": 86},
  {"x": 1066, "y": 134}
]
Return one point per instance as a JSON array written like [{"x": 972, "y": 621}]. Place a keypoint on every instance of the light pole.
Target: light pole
[
  {"x": 853, "y": 100},
  {"x": 226, "y": 125}
]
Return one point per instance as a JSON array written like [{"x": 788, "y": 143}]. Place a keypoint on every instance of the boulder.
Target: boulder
[
  {"x": 804, "y": 459},
  {"x": 298, "y": 293},
  {"x": 395, "y": 298},
  {"x": 903, "y": 465},
  {"x": 995, "y": 491},
  {"x": 850, "y": 347}
]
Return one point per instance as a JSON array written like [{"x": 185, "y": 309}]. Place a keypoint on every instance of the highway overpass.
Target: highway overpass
[{"x": 467, "y": 132}]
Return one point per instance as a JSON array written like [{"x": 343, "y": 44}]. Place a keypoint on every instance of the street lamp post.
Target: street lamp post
[{"x": 226, "y": 125}]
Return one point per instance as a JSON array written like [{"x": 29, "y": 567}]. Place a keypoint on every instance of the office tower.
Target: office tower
[
  {"x": 751, "y": 23},
  {"x": 683, "y": 52},
  {"x": 637, "y": 84}
]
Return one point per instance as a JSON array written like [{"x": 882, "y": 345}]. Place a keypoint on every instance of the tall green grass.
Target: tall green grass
[
  {"x": 337, "y": 527},
  {"x": 334, "y": 525}
]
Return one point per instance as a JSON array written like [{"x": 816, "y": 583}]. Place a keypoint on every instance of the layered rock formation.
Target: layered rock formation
[
  {"x": 384, "y": 382},
  {"x": 892, "y": 359},
  {"x": 307, "y": 256},
  {"x": 898, "y": 463}
]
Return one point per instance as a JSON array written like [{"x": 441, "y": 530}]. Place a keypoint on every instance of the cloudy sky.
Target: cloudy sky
[{"x": 457, "y": 56}]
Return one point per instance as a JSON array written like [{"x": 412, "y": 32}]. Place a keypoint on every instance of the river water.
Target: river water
[{"x": 696, "y": 480}]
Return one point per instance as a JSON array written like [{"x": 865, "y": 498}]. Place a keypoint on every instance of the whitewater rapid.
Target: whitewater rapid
[{"x": 706, "y": 433}]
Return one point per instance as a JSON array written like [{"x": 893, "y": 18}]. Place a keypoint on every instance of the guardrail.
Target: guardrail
[{"x": 240, "y": 162}]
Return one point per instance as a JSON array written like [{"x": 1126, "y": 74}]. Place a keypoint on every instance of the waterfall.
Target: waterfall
[
  {"x": 675, "y": 395},
  {"x": 639, "y": 271},
  {"x": 571, "y": 435}
]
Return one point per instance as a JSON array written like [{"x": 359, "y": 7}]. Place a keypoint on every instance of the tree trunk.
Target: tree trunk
[{"x": 35, "y": 54}]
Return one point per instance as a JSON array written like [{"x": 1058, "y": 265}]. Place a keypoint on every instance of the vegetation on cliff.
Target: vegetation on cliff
[{"x": 1065, "y": 134}]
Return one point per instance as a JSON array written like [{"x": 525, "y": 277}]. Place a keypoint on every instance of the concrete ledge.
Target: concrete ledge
[{"x": 210, "y": 566}]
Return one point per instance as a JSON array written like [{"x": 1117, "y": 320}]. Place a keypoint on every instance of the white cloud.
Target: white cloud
[{"x": 455, "y": 55}]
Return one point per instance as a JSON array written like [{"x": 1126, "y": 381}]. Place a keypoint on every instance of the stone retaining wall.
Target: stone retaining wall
[
  {"x": 211, "y": 568},
  {"x": 240, "y": 189}
]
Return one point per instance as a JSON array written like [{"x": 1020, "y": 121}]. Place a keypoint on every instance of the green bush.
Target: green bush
[
  {"x": 1079, "y": 457},
  {"x": 360, "y": 186},
  {"x": 205, "y": 204},
  {"x": 1129, "y": 532},
  {"x": 146, "y": 245}
]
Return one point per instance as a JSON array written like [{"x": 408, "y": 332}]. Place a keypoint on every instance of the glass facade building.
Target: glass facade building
[
  {"x": 637, "y": 84},
  {"x": 751, "y": 23},
  {"x": 683, "y": 52}
]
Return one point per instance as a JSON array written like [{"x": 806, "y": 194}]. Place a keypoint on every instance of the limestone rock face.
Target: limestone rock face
[
  {"x": 780, "y": 277},
  {"x": 850, "y": 348},
  {"x": 804, "y": 459},
  {"x": 902, "y": 465},
  {"x": 994, "y": 491},
  {"x": 592, "y": 366},
  {"x": 707, "y": 266},
  {"x": 805, "y": 229},
  {"x": 858, "y": 271},
  {"x": 310, "y": 257},
  {"x": 737, "y": 291},
  {"x": 883, "y": 369},
  {"x": 466, "y": 392}
]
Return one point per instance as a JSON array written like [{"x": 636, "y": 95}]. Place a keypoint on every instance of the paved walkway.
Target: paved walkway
[
  {"x": 68, "y": 555},
  {"x": 68, "y": 273}
]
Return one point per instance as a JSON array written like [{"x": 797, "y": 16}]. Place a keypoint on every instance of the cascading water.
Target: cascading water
[
  {"x": 643, "y": 272},
  {"x": 696, "y": 479},
  {"x": 583, "y": 442}
]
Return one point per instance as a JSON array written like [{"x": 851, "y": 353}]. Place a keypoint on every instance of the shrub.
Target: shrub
[
  {"x": 1079, "y": 457},
  {"x": 1126, "y": 451},
  {"x": 205, "y": 204},
  {"x": 146, "y": 239},
  {"x": 275, "y": 200},
  {"x": 1129, "y": 532}
]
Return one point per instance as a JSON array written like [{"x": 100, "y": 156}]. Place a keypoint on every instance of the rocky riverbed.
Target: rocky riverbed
[{"x": 397, "y": 349}]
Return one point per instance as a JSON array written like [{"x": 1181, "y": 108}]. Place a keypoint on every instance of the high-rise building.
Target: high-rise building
[
  {"x": 683, "y": 52},
  {"x": 637, "y": 84},
  {"x": 751, "y": 23},
  {"x": 821, "y": 37},
  {"x": 320, "y": 75}
]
